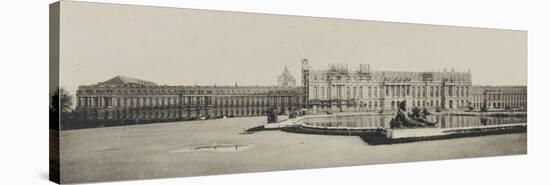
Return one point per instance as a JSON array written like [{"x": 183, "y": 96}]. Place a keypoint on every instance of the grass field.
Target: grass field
[{"x": 207, "y": 147}]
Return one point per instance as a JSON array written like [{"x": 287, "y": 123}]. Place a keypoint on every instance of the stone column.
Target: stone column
[
  {"x": 455, "y": 91},
  {"x": 401, "y": 91}
]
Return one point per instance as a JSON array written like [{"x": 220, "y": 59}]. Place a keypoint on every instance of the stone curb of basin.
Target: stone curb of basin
[
  {"x": 430, "y": 132},
  {"x": 390, "y": 133}
]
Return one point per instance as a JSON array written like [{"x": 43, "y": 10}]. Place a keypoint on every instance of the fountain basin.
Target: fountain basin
[{"x": 374, "y": 129}]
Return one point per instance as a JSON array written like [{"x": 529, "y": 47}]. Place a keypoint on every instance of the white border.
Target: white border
[{"x": 24, "y": 74}]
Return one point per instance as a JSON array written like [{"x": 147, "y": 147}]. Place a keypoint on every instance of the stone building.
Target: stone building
[
  {"x": 340, "y": 89},
  {"x": 286, "y": 79},
  {"x": 499, "y": 97},
  {"x": 134, "y": 100}
]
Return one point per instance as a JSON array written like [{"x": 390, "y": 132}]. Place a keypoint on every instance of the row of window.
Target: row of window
[
  {"x": 394, "y": 104},
  {"x": 434, "y": 103},
  {"x": 500, "y": 104},
  {"x": 219, "y": 91},
  {"x": 391, "y": 91},
  {"x": 501, "y": 97},
  {"x": 324, "y": 93},
  {"x": 399, "y": 78},
  {"x": 163, "y": 114},
  {"x": 173, "y": 101}
]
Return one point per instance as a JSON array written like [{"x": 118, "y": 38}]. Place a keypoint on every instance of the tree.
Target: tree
[
  {"x": 61, "y": 100},
  {"x": 60, "y": 106}
]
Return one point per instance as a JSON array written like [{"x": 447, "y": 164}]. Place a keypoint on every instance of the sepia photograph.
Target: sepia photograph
[{"x": 143, "y": 92}]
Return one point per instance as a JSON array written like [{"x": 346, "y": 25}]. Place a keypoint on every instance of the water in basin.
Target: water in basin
[{"x": 382, "y": 121}]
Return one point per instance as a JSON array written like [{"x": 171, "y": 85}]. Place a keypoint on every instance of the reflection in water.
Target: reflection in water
[{"x": 444, "y": 120}]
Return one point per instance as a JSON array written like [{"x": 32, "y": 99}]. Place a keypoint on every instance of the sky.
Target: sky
[{"x": 177, "y": 46}]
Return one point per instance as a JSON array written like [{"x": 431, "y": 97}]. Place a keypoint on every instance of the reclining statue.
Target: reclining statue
[{"x": 409, "y": 120}]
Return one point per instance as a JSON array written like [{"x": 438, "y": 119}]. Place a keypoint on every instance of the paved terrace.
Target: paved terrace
[{"x": 209, "y": 147}]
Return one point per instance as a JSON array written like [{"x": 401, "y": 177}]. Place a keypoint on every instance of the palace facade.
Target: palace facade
[
  {"x": 340, "y": 89},
  {"x": 499, "y": 97},
  {"x": 337, "y": 89},
  {"x": 134, "y": 100}
]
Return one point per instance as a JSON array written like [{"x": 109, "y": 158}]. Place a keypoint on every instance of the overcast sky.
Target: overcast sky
[{"x": 185, "y": 47}]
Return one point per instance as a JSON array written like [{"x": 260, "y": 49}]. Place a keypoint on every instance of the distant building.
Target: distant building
[
  {"x": 133, "y": 100},
  {"x": 499, "y": 97},
  {"x": 286, "y": 79},
  {"x": 340, "y": 89}
]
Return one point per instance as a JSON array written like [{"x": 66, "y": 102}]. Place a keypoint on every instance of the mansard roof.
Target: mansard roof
[{"x": 124, "y": 80}]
